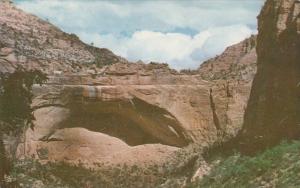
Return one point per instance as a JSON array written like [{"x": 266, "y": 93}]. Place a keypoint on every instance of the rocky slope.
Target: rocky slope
[
  {"x": 99, "y": 108},
  {"x": 35, "y": 43},
  {"x": 237, "y": 62},
  {"x": 273, "y": 108}
]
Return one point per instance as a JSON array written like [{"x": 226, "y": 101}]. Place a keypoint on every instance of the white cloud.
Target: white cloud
[
  {"x": 181, "y": 33},
  {"x": 178, "y": 50}
]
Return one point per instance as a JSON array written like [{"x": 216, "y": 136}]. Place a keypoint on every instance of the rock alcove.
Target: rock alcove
[{"x": 132, "y": 120}]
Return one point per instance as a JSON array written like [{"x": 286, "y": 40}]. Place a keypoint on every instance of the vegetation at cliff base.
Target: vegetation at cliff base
[
  {"x": 30, "y": 173},
  {"x": 276, "y": 167}
]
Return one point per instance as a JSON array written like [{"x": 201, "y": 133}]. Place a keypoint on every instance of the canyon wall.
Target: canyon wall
[
  {"x": 273, "y": 109},
  {"x": 99, "y": 108}
]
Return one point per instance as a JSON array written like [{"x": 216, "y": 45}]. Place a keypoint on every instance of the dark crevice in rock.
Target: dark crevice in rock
[
  {"x": 213, "y": 109},
  {"x": 228, "y": 92}
]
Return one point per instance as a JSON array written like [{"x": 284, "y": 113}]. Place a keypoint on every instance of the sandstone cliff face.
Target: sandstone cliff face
[
  {"x": 138, "y": 104},
  {"x": 120, "y": 112},
  {"x": 138, "y": 108},
  {"x": 273, "y": 108}
]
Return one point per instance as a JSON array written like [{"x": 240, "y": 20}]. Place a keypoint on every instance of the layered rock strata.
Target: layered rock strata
[{"x": 95, "y": 99}]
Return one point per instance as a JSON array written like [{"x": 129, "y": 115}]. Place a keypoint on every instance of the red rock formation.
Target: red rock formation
[
  {"x": 138, "y": 103},
  {"x": 273, "y": 111},
  {"x": 237, "y": 62}
]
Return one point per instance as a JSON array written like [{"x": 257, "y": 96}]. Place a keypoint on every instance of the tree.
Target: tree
[{"x": 16, "y": 113}]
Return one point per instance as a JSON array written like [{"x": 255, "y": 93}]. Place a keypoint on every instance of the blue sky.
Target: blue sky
[{"x": 181, "y": 33}]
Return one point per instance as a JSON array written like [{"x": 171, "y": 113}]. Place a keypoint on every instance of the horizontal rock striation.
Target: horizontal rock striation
[{"x": 95, "y": 99}]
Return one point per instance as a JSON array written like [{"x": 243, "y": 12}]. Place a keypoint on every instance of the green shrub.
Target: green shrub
[{"x": 278, "y": 166}]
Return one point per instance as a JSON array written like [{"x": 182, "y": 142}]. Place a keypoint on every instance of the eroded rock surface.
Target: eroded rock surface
[
  {"x": 99, "y": 108},
  {"x": 273, "y": 108},
  {"x": 147, "y": 106}
]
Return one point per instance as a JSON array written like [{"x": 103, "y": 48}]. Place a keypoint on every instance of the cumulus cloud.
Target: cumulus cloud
[
  {"x": 180, "y": 51},
  {"x": 181, "y": 33}
]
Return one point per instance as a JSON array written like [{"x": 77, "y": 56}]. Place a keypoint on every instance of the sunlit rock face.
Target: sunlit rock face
[
  {"x": 141, "y": 105},
  {"x": 99, "y": 108},
  {"x": 236, "y": 63},
  {"x": 273, "y": 108}
]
